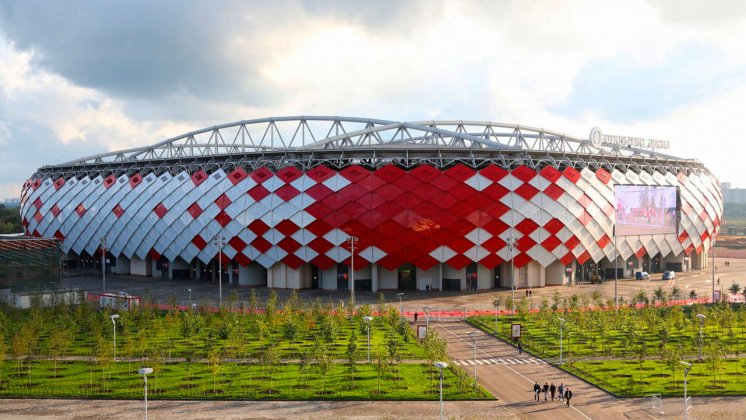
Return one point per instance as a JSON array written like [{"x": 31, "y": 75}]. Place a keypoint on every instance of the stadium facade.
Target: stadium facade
[{"x": 296, "y": 202}]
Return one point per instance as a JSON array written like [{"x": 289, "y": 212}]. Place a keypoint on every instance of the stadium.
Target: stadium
[{"x": 323, "y": 202}]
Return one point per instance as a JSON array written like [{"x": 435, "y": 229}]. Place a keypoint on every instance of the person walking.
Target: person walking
[
  {"x": 568, "y": 395},
  {"x": 545, "y": 389},
  {"x": 520, "y": 348},
  {"x": 561, "y": 391},
  {"x": 552, "y": 390},
  {"x": 415, "y": 317},
  {"x": 537, "y": 389}
]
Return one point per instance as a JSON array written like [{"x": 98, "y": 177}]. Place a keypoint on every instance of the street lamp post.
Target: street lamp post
[
  {"x": 103, "y": 262},
  {"x": 367, "y": 320},
  {"x": 473, "y": 335},
  {"x": 219, "y": 242},
  {"x": 687, "y": 368},
  {"x": 701, "y": 340},
  {"x": 114, "y": 318},
  {"x": 441, "y": 366},
  {"x": 353, "y": 242},
  {"x": 712, "y": 248},
  {"x": 511, "y": 245},
  {"x": 190, "y": 297},
  {"x": 562, "y": 326},
  {"x": 427, "y": 317},
  {"x": 145, "y": 372},
  {"x": 496, "y": 304},
  {"x": 401, "y": 311}
]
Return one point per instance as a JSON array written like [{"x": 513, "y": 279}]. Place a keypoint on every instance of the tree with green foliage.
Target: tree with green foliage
[
  {"x": 676, "y": 292},
  {"x": 734, "y": 288},
  {"x": 271, "y": 358},
  {"x": 10, "y": 220},
  {"x": 60, "y": 339},
  {"x": 352, "y": 356},
  {"x": 381, "y": 366},
  {"x": 325, "y": 366},
  {"x": 714, "y": 355},
  {"x": 214, "y": 356},
  {"x": 693, "y": 294}
]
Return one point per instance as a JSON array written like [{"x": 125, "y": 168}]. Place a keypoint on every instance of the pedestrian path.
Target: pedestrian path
[{"x": 504, "y": 361}]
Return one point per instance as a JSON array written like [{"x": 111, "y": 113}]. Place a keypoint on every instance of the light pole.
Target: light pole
[
  {"x": 496, "y": 304},
  {"x": 562, "y": 326},
  {"x": 401, "y": 311},
  {"x": 190, "y": 297},
  {"x": 441, "y": 366},
  {"x": 427, "y": 317},
  {"x": 473, "y": 335},
  {"x": 511, "y": 245},
  {"x": 712, "y": 248},
  {"x": 367, "y": 320},
  {"x": 114, "y": 321},
  {"x": 103, "y": 262},
  {"x": 687, "y": 368},
  {"x": 701, "y": 340},
  {"x": 145, "y": 372},
  {"x": 353, "y": 242},
  {"x": 219, "y": 242}
]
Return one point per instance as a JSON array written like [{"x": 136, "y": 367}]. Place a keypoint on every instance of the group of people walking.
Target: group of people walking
[{"x": 564, "y": 392}]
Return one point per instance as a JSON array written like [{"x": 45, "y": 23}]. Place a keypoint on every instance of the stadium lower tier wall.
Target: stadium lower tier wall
[{"x": 373, "y": 277}]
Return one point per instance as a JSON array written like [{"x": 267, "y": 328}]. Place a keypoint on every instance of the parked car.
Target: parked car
[
  {"x": 642, "y": 275},
  {"x": 669, "y": 275}
]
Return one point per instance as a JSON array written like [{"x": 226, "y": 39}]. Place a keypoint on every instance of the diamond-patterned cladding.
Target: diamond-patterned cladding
[{"x": 420, "y": 215}]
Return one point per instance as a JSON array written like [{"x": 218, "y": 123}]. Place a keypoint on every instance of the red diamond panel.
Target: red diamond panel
[
  {"x": 463, "y": 192},
  {"x": 444, "y": 182},
  {"x": 258, "y": 227},
  {"x": 223, "y": 201},
  {"x": 160, "y": 210},
  {"x": 289, "y": 174},
  {"x": 389, "y": 192},
  {"x": 198, "y": 177},
  {"x": 554, "y": 192},
  {"x": 640, "y": 252},
  {"x": 323, "y": 262},
  {"x": 319, "y": 227},
  {"x": 56, "y": 210},
  {"x": 524, "y": 173},
  {"x": 496, "y": 209},
  {"x": 427, "y": 192},
  {"x": 59, "y": 183},
  {"x": 59, "y": 235},
  {"x": 237, "y": 243},
  {"x": 494, "y": 244},
  {"x": 494, "y": 173},
  {"x": 320, "y": 245},
  {"x": 445, "y": 201},
  {"x": 237, "y": 176},
  {"x": 491, "y": 261},
  {"x": 199, "y": 242},
  {"x": 292, "y": 261},
  {"x": 689, "y": 249},
  {"x": 550, "y": 243},
  {"x": 260, "y": 175},
  {"x": 109, "y": 181},
  {"x": 154, "y": 254},
  {"x": 525, "y": 244},
  {"x": 683, "y": 236},
  {"x": 38, "y": 203},
  {"x": 351, "y": 192},
  {"x": 603, "y": 241},
  {"x": 389, "y": 228},
  {"x": 571, "y": 174},
  {"x": 496, "y": 227},
  {"x": 258, "y": 193},
  {"x": 553, "y": 226},
  {"x": 424, "y": 262},
  {"x": 425, "y": 173},
  {"x": 459, "y": 261},
  {"x": 261, "y": 244},
  {"x": 461, "y": 227},
  {"x": 408, "y": 182},
  {"x": 460, "y": 172},
  {"x": 567, "y": 259},
  {"x": 390, "y": 262},
  {"x": 242, "y": 259},
  {"x": 80, "y": 210},
  {"x": 354, "y": 173},
  {"x": 195, "y": 210},
  {"x": 585, "y": 201},
  {"x": 390, "y": 173},
  {"x": 287, "y": 192},
  {"x": 526, "y": 226},
  {"x": 461, "y": 209},
  {"x": 585, "y": 256},
  {"x": 354, "y": 228},
  {"x": 683, "y": 179},
  {"x": 289, "y": 244},
  {"x": 550, "y": 173},
  {"x": 319, "y": 191},
  {"x": 38, "y": 216},
  {"x": 521, "y": 260},
  {"x": 603, "y": 176},
  {"x": 320, "y": 174},
  {"x": 223, "y": 218},
  {"x": 118, "y": 211},
  {"x": 585, "y": 218},
  {"x": 608, "y": 209},
  {"x": 572, "y": 242},
  {"x": 526, "y": 191},
  {"x": 286, "y": 227},
  {"x": 371, "y": 183}
]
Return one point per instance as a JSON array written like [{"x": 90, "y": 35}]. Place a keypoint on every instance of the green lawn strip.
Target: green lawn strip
[
  {"x": 630, "y": 379},
  {"x": 233, "y": 381}
]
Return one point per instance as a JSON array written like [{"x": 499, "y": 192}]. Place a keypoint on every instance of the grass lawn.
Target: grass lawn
[{"x": 233, "y": 381}]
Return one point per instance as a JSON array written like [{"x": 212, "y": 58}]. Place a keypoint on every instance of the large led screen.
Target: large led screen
[{"x": 646, "y": 210}]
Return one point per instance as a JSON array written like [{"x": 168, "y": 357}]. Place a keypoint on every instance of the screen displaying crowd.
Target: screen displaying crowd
[{"x": 645, "y": 210}]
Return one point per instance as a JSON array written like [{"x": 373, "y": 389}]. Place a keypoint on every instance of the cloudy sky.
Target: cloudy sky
[{"x": 83, "y": 77}]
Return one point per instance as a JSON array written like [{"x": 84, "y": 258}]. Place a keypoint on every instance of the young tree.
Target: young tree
[
  {"x": 214, "y": 355},
  {"x": 714, "y": 355},
  {"x": 693, "y": 294},
  {"x": 734, "y": 288},
  {"x": 676, "y": 292},
  {"x": 325, "y": 366},
  {"x": 352, "y": 356},
  {"x": 60, "y": 339},
  {"x": 381, "y": 366},
  {"x": 270, "y": 359}
]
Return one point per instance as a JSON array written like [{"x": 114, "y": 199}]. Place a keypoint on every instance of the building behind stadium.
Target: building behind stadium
[{"x": 295, "y": 202}]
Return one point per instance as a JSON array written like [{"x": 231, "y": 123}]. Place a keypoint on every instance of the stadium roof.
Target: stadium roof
[{"x": 305, "y": 140}]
